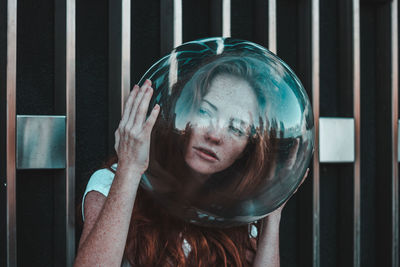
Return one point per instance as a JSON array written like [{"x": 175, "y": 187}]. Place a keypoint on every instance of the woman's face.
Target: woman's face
[{"x": 221, "y": 125}]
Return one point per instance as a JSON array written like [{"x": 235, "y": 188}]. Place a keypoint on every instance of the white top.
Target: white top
[{"x": 101, "y": 181}]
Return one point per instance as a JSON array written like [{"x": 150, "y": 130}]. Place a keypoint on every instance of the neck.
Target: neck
[{"x": 194, "y": 181}]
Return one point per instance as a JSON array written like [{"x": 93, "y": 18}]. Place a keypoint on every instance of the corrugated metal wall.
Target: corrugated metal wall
[{"x": 79, "y": 61}]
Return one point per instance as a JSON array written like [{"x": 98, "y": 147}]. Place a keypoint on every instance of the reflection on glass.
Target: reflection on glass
[{"x": 235, "y": 134}]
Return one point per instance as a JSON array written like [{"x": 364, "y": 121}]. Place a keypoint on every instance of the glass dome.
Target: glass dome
[{"x": 234, "y": 136}]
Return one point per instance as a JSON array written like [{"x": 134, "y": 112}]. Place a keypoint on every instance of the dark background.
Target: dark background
[{"x": 35, "y": 96}]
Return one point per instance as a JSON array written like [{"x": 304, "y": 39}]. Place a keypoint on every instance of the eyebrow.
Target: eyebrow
[
  {"x": 208, "y": 102},
  {"x": 242, "y": 122}
]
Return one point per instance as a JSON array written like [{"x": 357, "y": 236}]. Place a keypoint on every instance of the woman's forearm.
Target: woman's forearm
[
  {"x": 268, "y": 246},
  {"x": 105, "y": 244}
]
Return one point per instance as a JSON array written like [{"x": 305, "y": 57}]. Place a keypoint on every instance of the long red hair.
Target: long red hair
[
  {"x": 156, "y": 238},
  {"x": 230, "y": 190}
]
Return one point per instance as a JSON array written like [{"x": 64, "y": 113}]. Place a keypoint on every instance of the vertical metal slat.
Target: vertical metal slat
[
  {"x": 272, "y": 44},
  {"x": 395, "y": 116},
  {"x": 70, "y": 132},
  {"x": 226, "y": 18},
  {"x": 125, "y": 52},
  {"x": 315, "y": 100},
  {"x": 64, "y": 184},
  {"x": 357, "y": 119},
  {"x": 177, "y": 39},
  {"x": 11, "y": 123},
  {"x": 171, "y": 25},
  {"x": 386, "y": 66},
  {"x": 119, "y": 63},
  {"x": 171, "y": 33}
]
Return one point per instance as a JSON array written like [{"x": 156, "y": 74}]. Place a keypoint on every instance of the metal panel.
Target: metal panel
[
  {"x": 11, "y": 115},
  {"x": 40, "y": 142},
  {"x": 336, "y": 139},
  {"x": 315, "y": 72}
]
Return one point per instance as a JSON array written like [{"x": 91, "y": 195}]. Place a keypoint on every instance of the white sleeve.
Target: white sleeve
[{"x": 100, "y": 181}]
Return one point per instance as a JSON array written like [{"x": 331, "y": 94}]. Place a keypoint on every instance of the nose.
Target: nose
[{"x": 214, "y": 135}]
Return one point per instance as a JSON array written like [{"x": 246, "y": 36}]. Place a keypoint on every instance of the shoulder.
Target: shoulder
[{"x": 100, "y": 181}]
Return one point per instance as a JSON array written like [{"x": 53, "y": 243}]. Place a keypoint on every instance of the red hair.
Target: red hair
[
  {"x": 155, "y": 238},
  {"x": 230, "y": 189}
]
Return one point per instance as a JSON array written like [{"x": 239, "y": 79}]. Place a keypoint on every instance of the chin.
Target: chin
[{"x": 201, "y": 168}]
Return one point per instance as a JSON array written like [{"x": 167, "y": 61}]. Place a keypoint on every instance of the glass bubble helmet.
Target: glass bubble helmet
[{"x": 235, "y": 134}]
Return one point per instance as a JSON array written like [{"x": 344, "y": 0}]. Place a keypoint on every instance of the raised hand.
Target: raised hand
[{"x": 132, "y": 138}]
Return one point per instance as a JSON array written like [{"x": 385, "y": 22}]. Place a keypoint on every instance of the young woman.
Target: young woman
[{"x": 212, "y": 122}]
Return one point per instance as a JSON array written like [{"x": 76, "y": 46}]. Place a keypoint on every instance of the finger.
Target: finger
[
  {"x": 128, "y": 105},
  {"x": 151, "y": 120},
  {"x": 116, "y": 141},
  {"x": 136, "y": 103},
  {"x": 142, "y": 109}
]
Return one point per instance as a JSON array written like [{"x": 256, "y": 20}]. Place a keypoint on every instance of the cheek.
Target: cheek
[
  {"x": 200, "y": 121},
  {"x": 191, "y": 141},
  {"x": 195, "y": 134},
  {"x": 235, "y": 148}
]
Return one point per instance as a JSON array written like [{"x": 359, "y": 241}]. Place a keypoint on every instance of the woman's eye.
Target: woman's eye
[
  {"x": 204, "y": 112},
  {"x": 236, "y": 130}
]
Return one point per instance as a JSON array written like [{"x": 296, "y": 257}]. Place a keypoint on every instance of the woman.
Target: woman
[
  {"x": 221, "y": 127},
  {"x": 224, "y": 100}
]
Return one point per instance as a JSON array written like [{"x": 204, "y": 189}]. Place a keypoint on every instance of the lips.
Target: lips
[{"x": 206, "y": 153}]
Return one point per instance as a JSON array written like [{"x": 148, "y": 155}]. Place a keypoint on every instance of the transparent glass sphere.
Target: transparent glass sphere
[{"x": 234, "y": 136}]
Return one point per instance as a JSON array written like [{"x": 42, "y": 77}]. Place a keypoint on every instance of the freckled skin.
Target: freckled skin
[
  {"x": 233, "y": 99},
  {"x": 107, "y": 220}
]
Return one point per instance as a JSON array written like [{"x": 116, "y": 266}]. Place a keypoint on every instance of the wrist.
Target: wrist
[
  {"x": 273, "y": 218},
  {"x": 270, "y": 226},
  {"x": 129, "y": 172},
  {"x": 130, "y": 168}
]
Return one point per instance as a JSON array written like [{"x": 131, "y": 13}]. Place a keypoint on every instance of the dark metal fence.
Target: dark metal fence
[{"x": 67, "y": 67}]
